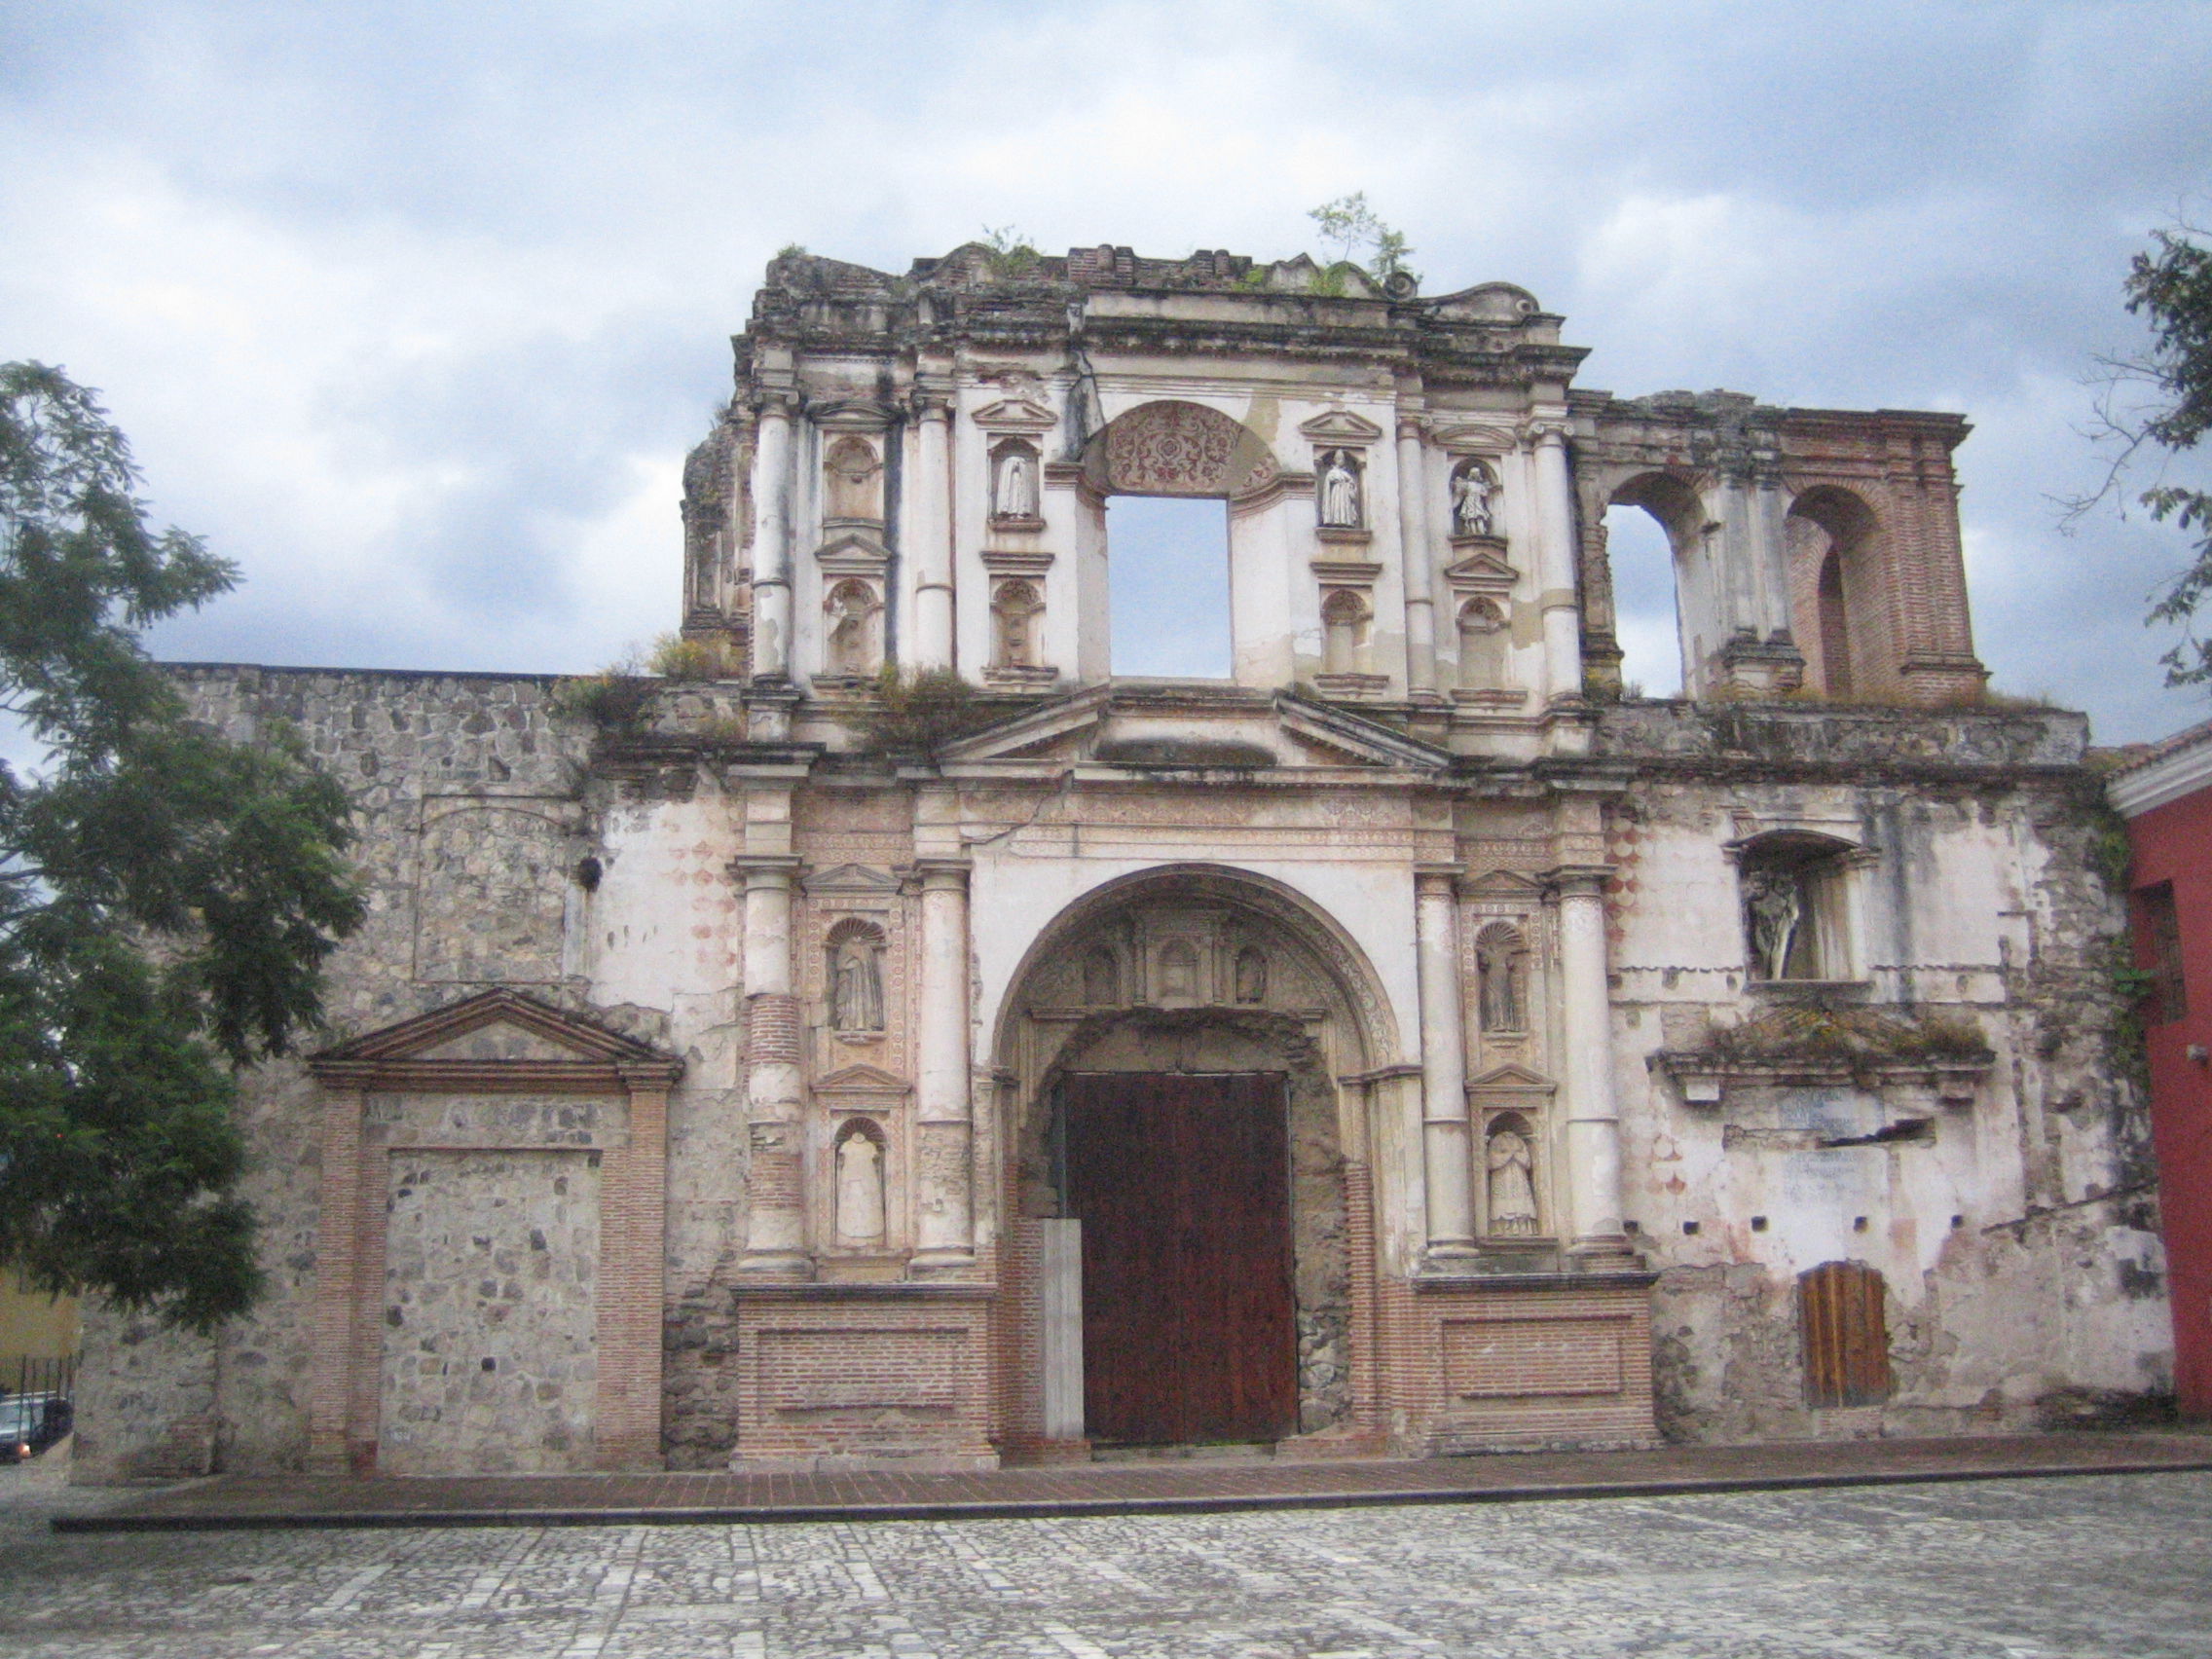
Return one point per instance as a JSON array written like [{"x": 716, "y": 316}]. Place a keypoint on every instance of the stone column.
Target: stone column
[
  {"x": 772, "y": 539},
  {"x": 775, "y": 1231},
  {"x": 1445, "y": 1160},
  {"x": 930, "y": 544},
  {"x": 1556, "y": 562},
  {"x": 1417, "y": 560},
  {"x": 943, "y": 1123},
  {"x": 1593, "y": 1120}
]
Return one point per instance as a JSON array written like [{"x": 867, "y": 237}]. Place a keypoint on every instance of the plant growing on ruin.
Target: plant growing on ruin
[
  {"x": 919, "y": 712},
  {"x": 167, "y": 897},
  {"x": 1013, "y": 257},
  {"x": 1350, "y": 225}
]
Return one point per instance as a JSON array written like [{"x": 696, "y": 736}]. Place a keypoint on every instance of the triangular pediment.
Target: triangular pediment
[
  {"x": 1501, "y": 884},
  {"x": 1341, "y": 427},
  {"x": 860, "y": 1079},
  {"x": 853, "y": 552},
  {"x": 1016, "y": 414},
  {"x": 1484, "y": 569},
  {"x": 850, "y": 878},
  {"x": 493, "y": 1027},
  {"x": 1510, "y": 1078}
]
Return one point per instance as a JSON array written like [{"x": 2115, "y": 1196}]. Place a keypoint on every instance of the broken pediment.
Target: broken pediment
[
  {"x": 498, "y": 1038},
  {"x": 1487, "y": 302}
]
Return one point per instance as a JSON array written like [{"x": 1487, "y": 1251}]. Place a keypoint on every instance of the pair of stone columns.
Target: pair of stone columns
[
  {"x": 776, "y": 1227},
  {"x": 1591, "y": 1141}
]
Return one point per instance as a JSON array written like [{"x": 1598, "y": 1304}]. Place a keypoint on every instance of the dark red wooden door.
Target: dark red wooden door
[{"x": 1183, "y": 1188}]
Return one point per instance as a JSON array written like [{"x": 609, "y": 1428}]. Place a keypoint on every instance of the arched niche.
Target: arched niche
[
  {"x": 1211, "y": 972},
  {"x": 1836, "y": 593}
]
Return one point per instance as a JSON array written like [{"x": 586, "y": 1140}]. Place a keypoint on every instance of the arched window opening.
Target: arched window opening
[
  {"x": 1169, "y": 585},
  {"x": 1485, "y": 647},
  {"x": 1639, "y": 549},
  {"x": 1836, "y": 608}
]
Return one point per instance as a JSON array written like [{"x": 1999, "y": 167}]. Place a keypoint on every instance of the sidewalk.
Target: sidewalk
[{"x": 227, "y": 1501}]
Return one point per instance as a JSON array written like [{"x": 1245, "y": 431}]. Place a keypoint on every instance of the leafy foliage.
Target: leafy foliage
[
  {"x": 1013, "y": 256},
  {"x": 168, "y": 898},
  {"x": 920, "y": 712},
  {"x": 2169, "y": 408},
  {"x": 1351, "y": 225}
]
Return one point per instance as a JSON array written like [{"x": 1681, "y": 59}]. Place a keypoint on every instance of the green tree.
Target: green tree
[
  {"x": 167, "y": 897},
  {"x": 2160, "y": 399},
  {"x": 1350, "y": 224}
]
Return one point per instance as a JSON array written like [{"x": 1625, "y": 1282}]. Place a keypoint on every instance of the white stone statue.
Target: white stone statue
[
  {"x": 1774, "y": 908},
  {"x": 1340, "y": 492},
  {"x": 1497, "y": 983},
  {"x": 1017, "y": 487},
  {"x": 1512, "y": 1190},
  {"x": 1471, "y": 494},
  {"x": 860, "y": 1189},
  {"x": 856, "y": 989}
]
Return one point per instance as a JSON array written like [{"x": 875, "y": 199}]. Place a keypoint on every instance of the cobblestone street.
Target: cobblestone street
[{"x": 2080, "y": 1565}]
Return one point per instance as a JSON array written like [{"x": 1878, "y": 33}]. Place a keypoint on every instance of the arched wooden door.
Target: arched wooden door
[{"x": 1182, "y": 1184}]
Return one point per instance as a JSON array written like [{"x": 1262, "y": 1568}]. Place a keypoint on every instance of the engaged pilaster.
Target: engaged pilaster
[
  {"x": 931, "y": 545},
  {"x": 1416, "y": 558},
  {"x": 772, "y": 538},
  {"x": 944, "y": 1118},
  {"x": 775, "y": 1233},
  {"x": 1446, "y": 1163},
  {"x": 1560, "y": 597},
  {"x": 1593, "y": 1118}
]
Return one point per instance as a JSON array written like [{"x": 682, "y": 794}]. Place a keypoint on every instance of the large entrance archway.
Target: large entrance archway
[{"x": 1191, "y": 1213}]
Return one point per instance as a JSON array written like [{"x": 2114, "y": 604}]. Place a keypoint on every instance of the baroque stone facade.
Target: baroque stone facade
[{"x": 1403, "y": 1042}]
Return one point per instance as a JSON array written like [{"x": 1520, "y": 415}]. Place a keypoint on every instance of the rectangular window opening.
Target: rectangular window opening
[{"x": 1167, "y": 573}]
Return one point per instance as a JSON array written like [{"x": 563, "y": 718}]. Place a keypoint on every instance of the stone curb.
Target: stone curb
[{"x": 1028, "y": 1509}]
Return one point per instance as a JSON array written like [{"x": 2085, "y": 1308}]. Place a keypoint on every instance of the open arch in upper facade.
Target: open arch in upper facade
[
  {"x": 1834, "y": 540},
  {"x": 1673, "y": 504}
]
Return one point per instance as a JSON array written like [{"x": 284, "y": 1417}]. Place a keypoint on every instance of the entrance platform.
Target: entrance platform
[{"x": 1192, "y": 1487}]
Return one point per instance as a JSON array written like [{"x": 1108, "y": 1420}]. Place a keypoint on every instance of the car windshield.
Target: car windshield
[{"x": 21, "y": 1414}]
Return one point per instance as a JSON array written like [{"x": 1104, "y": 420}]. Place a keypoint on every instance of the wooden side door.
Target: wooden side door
[{"x": 1183, "y": 1188}]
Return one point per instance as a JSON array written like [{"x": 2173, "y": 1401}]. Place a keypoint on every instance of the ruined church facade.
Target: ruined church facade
[{"x": 1407, "y": 1043}]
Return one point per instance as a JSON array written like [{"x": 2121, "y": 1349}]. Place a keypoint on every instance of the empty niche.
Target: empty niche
[
  {"x": 853, "y": 978},
  {"x": 853, "y": 482},
  {"x": 858, "y": 1173},
  {"x": 1102, "y": 978},
  {"x": 1015, "y": 606},
  {"x": 852, "y": 611},
  {"x": 1178, "y": 974},
  {"x": 1501, "y": 978},
  {"x": 1344, "y": 632},
  {"x": 1509, "y": 1193},
  {"x": 1251, "y": 975},
  {"x": 1484, "y": 643}
]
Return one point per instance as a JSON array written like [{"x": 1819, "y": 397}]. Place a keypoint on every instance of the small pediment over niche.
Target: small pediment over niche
[
  {"x": 853, "y": 553},
  {"x": 861, "y": 1080},
  {"x": 1483, "y": 568},
  {"x": 1016, "y": 414},
  {"x": 1501, "y": 884},
  {"x": 847, "y": 879},
  {"x": 1509, "y": 1080},
  {"x": 498, "y": 1038},
  {"x": 1341, "y": 427},
  {"x": 1475, "y": 439}
]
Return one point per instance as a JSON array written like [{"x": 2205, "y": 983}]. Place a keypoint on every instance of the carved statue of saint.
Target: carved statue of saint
[
  {"x": 856, "y": 988},
  {"x": 1498, "y": 983},
  {"x": 1340, "y": 492},
  {"x": 1772, "y": 908},
  {"x": 1512, "y": 1189},
  {"x": 1471, "y": 492},
  {"x": 860, "y": 1189},
  {"x": 1016, "y": 490},
  {"x": 1251, "y": 976},
  {"x": 850, "y": 606}
]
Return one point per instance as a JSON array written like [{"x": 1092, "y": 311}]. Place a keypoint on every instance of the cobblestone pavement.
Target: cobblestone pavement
[{"x": 2009, "y": 1570}]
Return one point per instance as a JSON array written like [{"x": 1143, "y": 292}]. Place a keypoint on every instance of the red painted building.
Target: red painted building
[{"x": 2166, "y": 794}]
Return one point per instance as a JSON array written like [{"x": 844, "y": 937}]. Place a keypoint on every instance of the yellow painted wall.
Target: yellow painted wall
[{"x": 41, "y": 1327}]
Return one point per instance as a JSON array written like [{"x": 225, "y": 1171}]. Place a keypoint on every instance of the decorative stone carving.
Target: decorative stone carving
[
  {"x": 1251, "y": 975},
  {"x": 859, "y": 1176},
  {"x": 1015, "y": 609},
  {"x": 1773, "y": 907},
  {"x": 856, "y": 978},
  {"x": 1014, "y": 483},
  {"x": 1184, "y": 449},
  {"x": 1512, "y": 1191},
  {"x": 851, "y": 609},
  {"x": 1474, "y": 493},
  {"x": 1338, "y": 491},
  {"x": 1502, "y": 969}
]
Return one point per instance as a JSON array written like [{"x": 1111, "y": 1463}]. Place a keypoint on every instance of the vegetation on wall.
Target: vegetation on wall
[{"x": 918, "y": 712}]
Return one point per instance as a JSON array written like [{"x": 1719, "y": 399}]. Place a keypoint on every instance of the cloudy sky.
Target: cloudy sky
[{"x": 413, "y": 309}]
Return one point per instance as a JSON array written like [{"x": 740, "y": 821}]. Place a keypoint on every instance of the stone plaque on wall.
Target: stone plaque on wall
[{"x": 1500, "y": 1358}]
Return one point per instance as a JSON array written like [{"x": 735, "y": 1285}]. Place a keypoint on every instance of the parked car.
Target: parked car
[{"x": 31, "y": 1422}]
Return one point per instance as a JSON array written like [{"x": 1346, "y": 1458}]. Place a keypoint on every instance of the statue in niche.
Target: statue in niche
[
  {"x": 1179, "y": 974},
  {"x": 1014, "y": 489},
  {"x": 852, "y": 466},
  {"x": 852, "y": 613},
  {"x": 1472, "y": 493},
  {"x": 1774, "y": 907},
  {"x": 1251, "y": 975},
  {"x": 1101, "y": 980},
  {"x": 1015, "y": 608},
  {"x": 860, "y": 1187},
  {"x": 1340, "y": 492},
  {"x": 856, "y": 984},
  {"x": 1511, "y": 1183},
  {"x": 1499, "y": 967}
]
